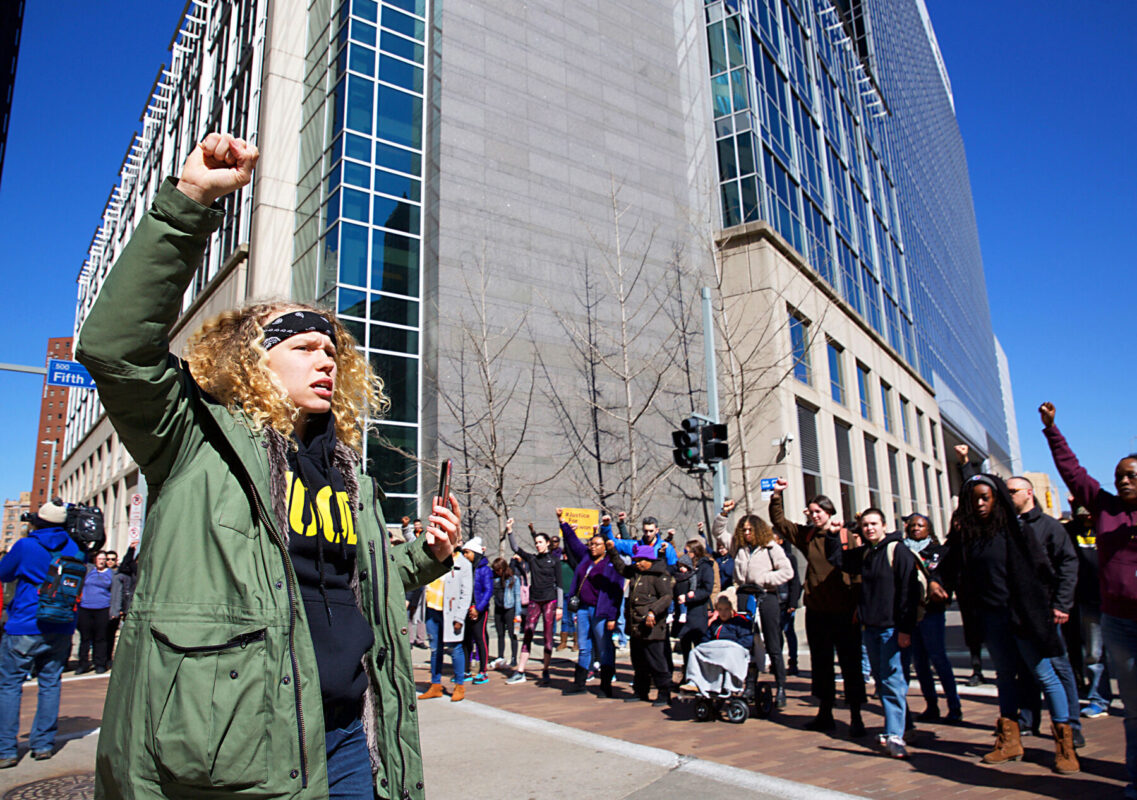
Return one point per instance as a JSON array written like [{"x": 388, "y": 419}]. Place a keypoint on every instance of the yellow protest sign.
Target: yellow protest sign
[{"x": 583, "y": 518}]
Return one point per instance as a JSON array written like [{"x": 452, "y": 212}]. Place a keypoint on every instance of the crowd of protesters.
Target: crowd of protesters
[{"x": 1055, "y": 605}]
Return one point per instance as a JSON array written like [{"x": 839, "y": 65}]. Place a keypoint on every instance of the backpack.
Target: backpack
[
  {"x": 60, "y": 591},
  {"x": 84, "y": 524},
  {"x": 923, "y": 579}
]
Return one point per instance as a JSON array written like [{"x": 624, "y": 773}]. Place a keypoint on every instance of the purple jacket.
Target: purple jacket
[
  {"x": 1116, "y": 526},
  {"x": 605, "y": 579}
]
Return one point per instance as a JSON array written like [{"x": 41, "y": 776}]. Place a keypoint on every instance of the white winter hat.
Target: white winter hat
[
  {"x": 52, "y": 513},
  {"x": 475, "y": 545}
]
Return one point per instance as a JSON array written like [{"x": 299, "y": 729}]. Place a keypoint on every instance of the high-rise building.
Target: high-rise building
[
  {"x": 512, "y": 206},
  {"x": 52, "y": 427},
  {"x": 11, "y": 23},
  {"x": 13, "y": 528}
]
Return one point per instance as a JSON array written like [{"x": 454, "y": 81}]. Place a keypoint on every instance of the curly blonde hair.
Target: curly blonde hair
[{"x": 227, "y": 358}]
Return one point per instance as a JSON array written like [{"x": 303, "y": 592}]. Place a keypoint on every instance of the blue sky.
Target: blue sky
[{"x": 1045, "y": 100}]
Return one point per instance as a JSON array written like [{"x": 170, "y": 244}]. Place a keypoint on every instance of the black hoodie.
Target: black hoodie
[{"x": 889, "y": 593}]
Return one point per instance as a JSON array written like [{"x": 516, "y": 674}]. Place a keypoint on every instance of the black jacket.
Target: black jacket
[
  {"x": 1088, "y": 592},
  {"x": 1030, "y": 575},
  {"x": 544, "y": 571},
  {"x": 698, "y": 607},
  {"x": 889, "y": 593},
  {"x": 647, "y": 591},
  {"x": 1060, "y": 551}
]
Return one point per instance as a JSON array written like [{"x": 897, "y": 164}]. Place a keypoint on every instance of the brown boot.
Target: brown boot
[
  {"x": 459, "y": 693},
  {"x": 434, "y": 690},
  {"x": 1008, "y": 745},
  {"x": 564, "y": 641},
  {"x": 1065, "y": 759}
]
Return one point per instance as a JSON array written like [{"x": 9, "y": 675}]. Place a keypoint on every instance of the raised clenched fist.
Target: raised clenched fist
[
  {"x": 1046, "y": 411},
  {"x": 220, "y": 164},
  {"x": 962, "y": 451}
]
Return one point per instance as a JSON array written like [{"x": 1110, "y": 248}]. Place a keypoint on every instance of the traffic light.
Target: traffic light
[
  {"x": 715, "y": 447},
  {"x": 688, "y": 444}
]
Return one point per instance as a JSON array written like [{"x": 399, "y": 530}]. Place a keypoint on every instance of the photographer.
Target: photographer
[{"x": 28, "y": 644}]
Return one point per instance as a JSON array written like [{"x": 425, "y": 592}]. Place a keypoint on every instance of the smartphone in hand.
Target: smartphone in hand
[{"x": 444, "y": 471}]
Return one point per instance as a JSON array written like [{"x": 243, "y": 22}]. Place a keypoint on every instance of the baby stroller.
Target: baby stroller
[{"x": 718, "y": 670}]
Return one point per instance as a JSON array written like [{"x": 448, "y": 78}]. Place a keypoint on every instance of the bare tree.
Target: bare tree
[{"x": 629, "y": 368}]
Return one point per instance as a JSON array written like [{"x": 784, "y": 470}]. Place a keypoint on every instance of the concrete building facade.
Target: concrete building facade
[{"x": 512, "y": 206}]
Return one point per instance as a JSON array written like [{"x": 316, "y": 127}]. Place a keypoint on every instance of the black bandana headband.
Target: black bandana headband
[{"x": 295, "y": 322}]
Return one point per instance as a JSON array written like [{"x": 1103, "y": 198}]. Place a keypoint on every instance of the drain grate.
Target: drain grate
[{"x": 66, "y": 787}]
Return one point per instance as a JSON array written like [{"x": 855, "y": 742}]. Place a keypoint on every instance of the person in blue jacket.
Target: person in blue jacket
[
  {"x": 731, "y": 625},
  {"x": 650, "y": 538},
  {"x": 475, "y": 634},
  {"x": 29, "y": 645}
]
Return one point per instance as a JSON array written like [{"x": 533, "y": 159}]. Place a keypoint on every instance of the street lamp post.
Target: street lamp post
[{"x": 51, "y": 468}]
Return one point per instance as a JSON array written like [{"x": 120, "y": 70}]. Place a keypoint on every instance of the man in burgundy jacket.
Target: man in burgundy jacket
[{"x": 1115, "y": 520}]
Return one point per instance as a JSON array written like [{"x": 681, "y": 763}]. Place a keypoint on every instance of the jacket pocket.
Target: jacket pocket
[{"x": 207, "y": 704}]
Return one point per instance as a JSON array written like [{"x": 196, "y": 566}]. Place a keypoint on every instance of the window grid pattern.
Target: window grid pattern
[
  {"x": 817, "y": 164},
  {"x": 360, "y": 219}
]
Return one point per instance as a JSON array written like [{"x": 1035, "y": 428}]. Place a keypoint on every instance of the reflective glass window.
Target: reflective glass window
[
  {"x": 391, "y": 213},
  {"x": 353, "y": 254},
  {"x": 400, "y": 116},
  {"x": 400, "y": 379},
  {"x": 394, "y": 263}
]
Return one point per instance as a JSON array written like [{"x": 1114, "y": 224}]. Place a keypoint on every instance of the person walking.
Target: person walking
[
  {"x": 831, "y": 627},
  {"x": 887, "y": 609},
  {"x": 929, "y": 647},
  {"x": 270, "y": 605},
  {"x": 29, "y": 645},
  {"x": 650, "y": 588},
  {"x": 94, "y": 617},
  {"x": 1115, "y": 525},
  {"x": 997, "y": 564}
]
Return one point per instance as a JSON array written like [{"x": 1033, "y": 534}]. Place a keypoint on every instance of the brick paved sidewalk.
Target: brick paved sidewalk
[{"x": 944, "y": 759}]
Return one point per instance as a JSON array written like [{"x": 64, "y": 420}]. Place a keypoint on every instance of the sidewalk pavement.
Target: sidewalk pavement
[{"x": 525, "y": 741}]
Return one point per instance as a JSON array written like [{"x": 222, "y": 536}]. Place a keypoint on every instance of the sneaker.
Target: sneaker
[
  {"x": 929, "y": 714},
  {"x": 8, "y": 763},
  {"x": 480, "y": 678},
  {"x": 896, "y": 747},
  {"x": 591, "y": 677},
  {"x": 544, "y": 680},
  {"x": 954, "y": 716},
  {"x": 497, "y": 663},
  {"x": 976, "y": 679},
  {"x": 454, "y": 679},
  {"x": 517, "y": 677},
  {"x": 1079, "y": 739},
  {"x": 688, "y": 687},
  {"x": 42, "y": 755},
  {"x": 882, "y": 739},
  {"x": 1095, "y": 710}
]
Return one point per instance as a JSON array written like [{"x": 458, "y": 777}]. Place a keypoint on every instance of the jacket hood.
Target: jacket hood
[
  {"x": 894, "y": 536},
  {"x": 51, "y": 538}
]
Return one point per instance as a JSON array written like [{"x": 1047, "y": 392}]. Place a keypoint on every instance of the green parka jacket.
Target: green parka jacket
[{"x": 215, "y": 690}]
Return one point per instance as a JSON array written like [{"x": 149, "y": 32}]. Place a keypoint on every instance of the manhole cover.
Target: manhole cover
[{"x": 68, "y": 787}]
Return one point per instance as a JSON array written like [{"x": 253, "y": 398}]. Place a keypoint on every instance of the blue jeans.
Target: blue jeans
[
  {"x": 866, "y": 663},
  {"x": 883, "y": 649},
  {"x": 19, "y": 655},
  {"x": 1096, "y": 671},
  {"x": 1006, "y": 649},
  {"x": 928, "y": 650},
  {"x": 438, "y": 645},
  {"x": 1120, "y": 636},
  {"x": 622, "y": 627},
  {"x": 349, "y": 764},
  {"x": 568, "y": 619},
  {"x": 595, "y": 639}
]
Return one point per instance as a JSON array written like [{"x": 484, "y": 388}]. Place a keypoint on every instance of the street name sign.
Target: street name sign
[{"x": 68, "y": 373}]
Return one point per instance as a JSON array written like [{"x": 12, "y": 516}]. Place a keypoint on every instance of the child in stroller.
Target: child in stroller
[{"x": 718, "y": 667}]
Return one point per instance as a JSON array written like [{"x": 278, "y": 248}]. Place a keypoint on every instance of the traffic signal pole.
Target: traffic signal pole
[{"x": 719, "y": 478}]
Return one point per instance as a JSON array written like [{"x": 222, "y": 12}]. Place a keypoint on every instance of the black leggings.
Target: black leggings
[
  {"x": 769, "y": 617},
  {"x": 93, "y": 624},
  {"x": 503, "y": 622},
  {"x": 475, "y": 636},
  {"x": 828, "y": 633}
]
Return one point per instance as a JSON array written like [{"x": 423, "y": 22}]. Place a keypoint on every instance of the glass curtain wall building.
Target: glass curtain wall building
[
  {"x": 359, "y": 221},
  {"x": 834, "y": 123}
]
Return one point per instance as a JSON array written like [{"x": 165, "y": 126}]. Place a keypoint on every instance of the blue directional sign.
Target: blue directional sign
[{"x": 68, "y": 373}]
